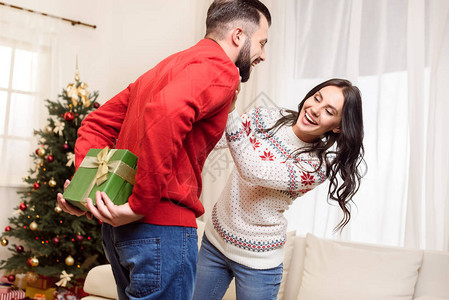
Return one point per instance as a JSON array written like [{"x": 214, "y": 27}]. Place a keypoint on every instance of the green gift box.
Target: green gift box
[{"x": 110, "y": 171}]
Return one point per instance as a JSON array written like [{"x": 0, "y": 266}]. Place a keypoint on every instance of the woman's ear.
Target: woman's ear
[{"x": 337, "y": 129}]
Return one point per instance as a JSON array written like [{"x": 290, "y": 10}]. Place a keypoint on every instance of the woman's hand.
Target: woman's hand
[
  {"x": 107, "y": 211},
  {"x": 68, "y": 208},
  {"x": 235, "y": 98}
]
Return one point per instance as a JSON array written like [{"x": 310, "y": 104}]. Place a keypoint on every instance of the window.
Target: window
[{"x": 18, "y": 112}]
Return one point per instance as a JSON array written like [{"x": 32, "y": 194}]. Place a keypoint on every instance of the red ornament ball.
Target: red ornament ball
[
  {"x": 11, "y": 278},
  {"x": 36, "y": 185},
  {"x": 56, "y": 240},
  {"x": 19, "y": 249},
  {"x": 8, "y": 228},
  {"x": 96, "y": 105},
  {"x": 69, "y": 116},
  {"x": 65, "y": 147},
  {"x": 22, "y": 206},
  {"x": 29, "y": 262},
  {"x": 79, "y": 238},
  {"x": 50, "y": 158}
]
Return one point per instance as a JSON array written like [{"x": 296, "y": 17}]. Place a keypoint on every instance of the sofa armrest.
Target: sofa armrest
[{"x": 100, "y": 282}]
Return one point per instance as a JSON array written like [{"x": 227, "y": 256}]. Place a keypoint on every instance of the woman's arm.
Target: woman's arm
[{"x": 289, "y": 175}]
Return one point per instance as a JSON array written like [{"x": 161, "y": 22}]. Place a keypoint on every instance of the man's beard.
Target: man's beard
[{"x": 243, "y": 61}]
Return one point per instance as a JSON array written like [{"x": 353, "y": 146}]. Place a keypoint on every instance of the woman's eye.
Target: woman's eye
[
  {"x": 317, "y": 99},
  {"x": 330, "y": 113}
]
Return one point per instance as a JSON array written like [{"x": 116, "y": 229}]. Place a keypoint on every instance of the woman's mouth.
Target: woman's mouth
[{"x": 309, "y": 119}]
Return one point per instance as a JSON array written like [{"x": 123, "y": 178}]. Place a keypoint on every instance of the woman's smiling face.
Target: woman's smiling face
[{"x": 320, "y": 113}]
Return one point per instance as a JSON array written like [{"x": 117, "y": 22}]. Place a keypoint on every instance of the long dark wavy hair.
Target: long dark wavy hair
[{"x": 343, "y": 165}]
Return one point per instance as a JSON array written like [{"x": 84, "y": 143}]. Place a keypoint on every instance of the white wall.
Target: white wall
[{"x": 131, "y": 37}]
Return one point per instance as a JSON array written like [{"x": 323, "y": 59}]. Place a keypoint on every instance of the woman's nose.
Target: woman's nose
[{"x": 315, "y": 110}]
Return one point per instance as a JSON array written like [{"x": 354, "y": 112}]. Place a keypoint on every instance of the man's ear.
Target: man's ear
[
  {"x": 337, "y": 129},
  {"x": 238, "y": 36}
]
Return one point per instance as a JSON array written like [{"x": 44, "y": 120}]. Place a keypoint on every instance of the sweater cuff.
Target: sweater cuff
[{"x": 234, "y": 122}]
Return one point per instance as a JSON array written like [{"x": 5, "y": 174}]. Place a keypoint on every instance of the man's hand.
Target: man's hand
[
  {"x": 107, "y": 211},
  {"x": 68, "y": 208}
]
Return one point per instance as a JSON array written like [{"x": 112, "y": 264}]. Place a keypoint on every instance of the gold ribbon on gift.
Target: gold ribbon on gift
[
  {"x": 104, "y": 167},
  {"x": 64, "y": 278}
]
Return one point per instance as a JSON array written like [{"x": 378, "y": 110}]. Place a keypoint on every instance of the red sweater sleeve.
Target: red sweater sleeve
[
  {"x": 202, "y": 89},
  {"x": 102, "y": 126}
]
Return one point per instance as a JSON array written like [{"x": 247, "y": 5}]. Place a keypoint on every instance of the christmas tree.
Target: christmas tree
[{"x": 53, "y": 243}]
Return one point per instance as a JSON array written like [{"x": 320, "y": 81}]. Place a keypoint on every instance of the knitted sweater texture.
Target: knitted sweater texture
[
  {"x": 247, "y": 223},
  {"x": 171, "y": 117}
]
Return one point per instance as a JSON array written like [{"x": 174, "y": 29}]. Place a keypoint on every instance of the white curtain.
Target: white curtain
[
  {"x": 29, "y": 69},
  {"x": 396, "y": 52},
  {"x": 28, "y": 44}
]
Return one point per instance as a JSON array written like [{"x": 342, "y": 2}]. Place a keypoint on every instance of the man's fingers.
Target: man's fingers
[
  {"x": 109, "y": 204},
  {"x": 93, "y": 210},
  {"x": 67, "y": 207},
  {"x": 66, "y": 184},
  {"x": 100, "y": 198}
]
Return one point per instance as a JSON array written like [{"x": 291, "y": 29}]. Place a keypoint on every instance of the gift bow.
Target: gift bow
[
  {"x": 103, "y": 158},
  {"x": 101, "y": 162},
  {"x": 64, "y": 278}
]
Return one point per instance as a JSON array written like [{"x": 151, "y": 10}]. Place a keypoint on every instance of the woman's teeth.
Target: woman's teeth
[{"x": 310, "y": 119}]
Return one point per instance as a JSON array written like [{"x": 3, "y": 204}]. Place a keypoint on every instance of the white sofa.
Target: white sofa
[{"x": 320, "y": 269}]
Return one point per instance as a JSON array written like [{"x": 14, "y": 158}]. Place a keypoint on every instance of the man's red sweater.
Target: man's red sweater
[{"x": 171, "y": 117}]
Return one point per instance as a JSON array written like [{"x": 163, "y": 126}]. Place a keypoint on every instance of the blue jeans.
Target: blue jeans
[
  {"x": 152, "y": 261},
  {"x": 215, "y": 273}
]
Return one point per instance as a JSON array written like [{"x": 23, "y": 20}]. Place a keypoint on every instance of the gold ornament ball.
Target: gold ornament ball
[
  {"x": 58, "y": 209},
  {"x": 41, "y": 152},
  {"x": 33, "y": 226},
  {"x": 52, "y": 182},
  {"x": 34, "y": 262},
  {"x": 31, "y": 277},
  {"x": 4, "y": 242},
  {"x": 69, "y": 260}
]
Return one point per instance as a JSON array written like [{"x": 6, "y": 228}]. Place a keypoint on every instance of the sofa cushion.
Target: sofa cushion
[
  {"x": 434, "y": 275},
  {"x": 288, "y": 252},
  {"x": 334, "y": 271}
]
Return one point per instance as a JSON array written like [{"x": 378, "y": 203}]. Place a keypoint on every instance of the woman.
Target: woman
[{"x": 279, "y": 156}]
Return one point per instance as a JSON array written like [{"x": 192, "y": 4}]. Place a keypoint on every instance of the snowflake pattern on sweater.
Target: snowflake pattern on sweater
[{"x": 266, "y": 180}]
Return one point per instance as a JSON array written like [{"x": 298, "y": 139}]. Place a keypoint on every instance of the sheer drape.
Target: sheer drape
[
  {"x": 28, "y": 42},
  {"x": 396, "y": 53},
  {"x": 29, "y": 67}
]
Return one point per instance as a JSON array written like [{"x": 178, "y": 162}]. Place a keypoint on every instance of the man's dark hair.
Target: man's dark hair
[{"x": 222, "y": 12}]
